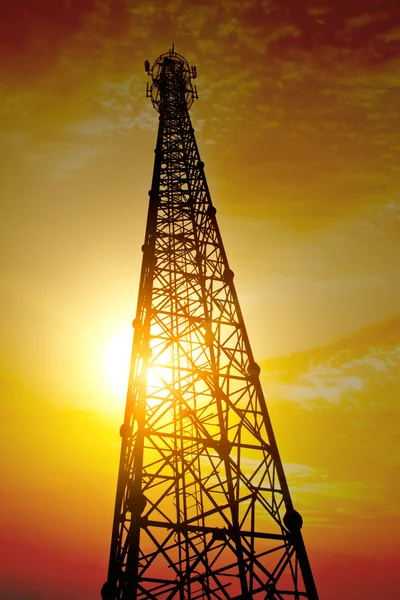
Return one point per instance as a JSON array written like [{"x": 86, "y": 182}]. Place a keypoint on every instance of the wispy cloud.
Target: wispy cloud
[
  {"x": 320, "y": 115},
  {"x": 337, "y": 380},
  {"x": 336, "y": 415}
]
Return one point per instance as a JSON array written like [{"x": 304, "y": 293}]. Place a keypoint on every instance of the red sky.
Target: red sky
[{"x": 298, "y": 125}]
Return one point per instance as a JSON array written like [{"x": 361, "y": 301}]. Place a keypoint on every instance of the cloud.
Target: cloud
[
  {"x": 328, "y": 384},
  {"x": 380, "y": 339},
  {"x": 336, "y": 417},
  {"x": 337, "y": 379},
  {"x": 73, "y": 159},
  {"x": 94, "y": 127},
  {"x": 320, "y": 117},
  {"x": 350, "y": 386},
  {"x": 383, "y": 218}
]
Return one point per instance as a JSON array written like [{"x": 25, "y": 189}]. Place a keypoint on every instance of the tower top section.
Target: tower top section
[{"x": 171, "y": 85}]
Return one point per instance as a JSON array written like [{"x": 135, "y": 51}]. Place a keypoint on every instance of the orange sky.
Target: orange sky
[{"x": 298, "y": 126}]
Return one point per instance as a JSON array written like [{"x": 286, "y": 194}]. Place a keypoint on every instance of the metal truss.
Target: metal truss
[{"x": 203, "y": 508}]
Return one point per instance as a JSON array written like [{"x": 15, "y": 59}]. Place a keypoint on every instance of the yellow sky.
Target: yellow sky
[{"x": 297, "y": 124}]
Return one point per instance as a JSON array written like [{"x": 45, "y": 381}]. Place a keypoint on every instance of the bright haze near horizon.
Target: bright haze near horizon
[{"x": 298, "y": 125}]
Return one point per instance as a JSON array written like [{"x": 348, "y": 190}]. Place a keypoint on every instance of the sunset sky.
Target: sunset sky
[{"x": 298, "y": 123}]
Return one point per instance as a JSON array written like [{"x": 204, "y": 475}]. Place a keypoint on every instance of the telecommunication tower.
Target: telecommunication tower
[{"x": 203, "y": 509}]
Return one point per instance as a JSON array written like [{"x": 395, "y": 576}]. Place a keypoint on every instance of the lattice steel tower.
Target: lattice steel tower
[{"x": 203, "y": 508}]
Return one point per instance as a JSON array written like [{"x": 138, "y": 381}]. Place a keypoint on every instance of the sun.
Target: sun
[
  {"x": 116, "y": 359},
  {"x": 116, "y": 362}
]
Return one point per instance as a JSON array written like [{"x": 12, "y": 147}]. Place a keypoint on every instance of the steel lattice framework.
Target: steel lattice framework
[{"x": 203, "y": 508}]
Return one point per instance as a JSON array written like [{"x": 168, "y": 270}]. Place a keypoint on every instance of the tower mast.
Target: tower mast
[{"x": 203, "y": 509}]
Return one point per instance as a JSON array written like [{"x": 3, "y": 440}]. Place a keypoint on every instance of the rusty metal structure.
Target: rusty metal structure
[{"x": 203, "y": 509}]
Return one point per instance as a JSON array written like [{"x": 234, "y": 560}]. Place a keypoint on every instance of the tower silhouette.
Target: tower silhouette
[{"x": 203, "y": 509}]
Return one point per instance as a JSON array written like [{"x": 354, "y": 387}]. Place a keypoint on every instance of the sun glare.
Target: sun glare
[
  {"x": 116, "y": 358},
  {"x": 116, "y": 361}
]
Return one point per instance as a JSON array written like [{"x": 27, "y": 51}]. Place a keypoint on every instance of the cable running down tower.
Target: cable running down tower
[{"x": 203, "y": 509}]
